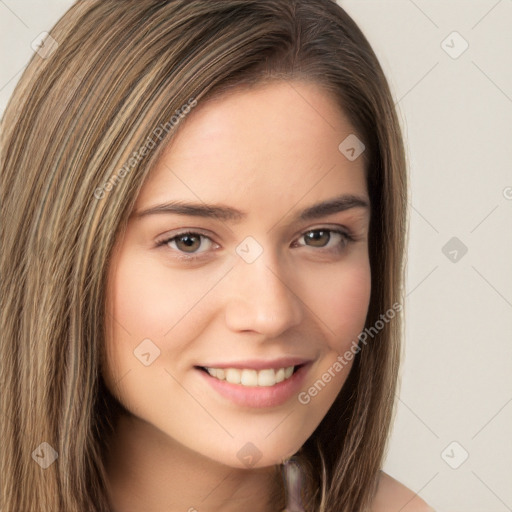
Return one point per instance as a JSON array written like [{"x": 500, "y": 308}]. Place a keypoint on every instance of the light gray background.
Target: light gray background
[{"x": 456, "y": 115}]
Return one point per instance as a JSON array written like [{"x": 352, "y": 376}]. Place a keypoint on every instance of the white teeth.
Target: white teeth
[
  {"x": 267, "y": 377},
  {"x": 233, "y": 375},
  {"x": 251, "y": 378}
]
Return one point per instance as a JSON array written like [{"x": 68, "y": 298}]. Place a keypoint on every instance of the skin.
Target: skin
[
  {"x": 392, "y": 496},
  {"x": 270, "y": 151}
]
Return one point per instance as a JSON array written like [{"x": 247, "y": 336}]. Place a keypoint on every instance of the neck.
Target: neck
[{"x": 147, "y": 470}]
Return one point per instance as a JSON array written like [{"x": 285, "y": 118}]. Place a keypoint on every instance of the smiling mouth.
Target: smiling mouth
[{"x": 252, "y": 378}]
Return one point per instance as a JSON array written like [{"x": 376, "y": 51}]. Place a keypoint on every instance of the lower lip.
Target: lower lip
[{"x": 259, "y": 396}]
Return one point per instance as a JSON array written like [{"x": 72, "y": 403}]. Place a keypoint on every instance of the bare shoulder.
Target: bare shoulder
[{"x": 392, "y": 496}]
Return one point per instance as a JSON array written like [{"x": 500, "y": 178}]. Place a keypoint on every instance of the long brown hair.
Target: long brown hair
[{"x": 82, "y": 108}]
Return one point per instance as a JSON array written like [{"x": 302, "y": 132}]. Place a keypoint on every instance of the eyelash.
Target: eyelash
[{"x": 347, "y": 238}]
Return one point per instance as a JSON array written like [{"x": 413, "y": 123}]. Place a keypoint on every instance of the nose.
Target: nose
[{"x": 261, "y": 298}]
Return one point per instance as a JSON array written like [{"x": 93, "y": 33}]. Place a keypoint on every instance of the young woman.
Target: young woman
[{"x": 204, "y": 222}]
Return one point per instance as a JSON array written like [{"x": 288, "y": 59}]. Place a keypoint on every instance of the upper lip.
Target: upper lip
[{"x": 258, "y": 364}]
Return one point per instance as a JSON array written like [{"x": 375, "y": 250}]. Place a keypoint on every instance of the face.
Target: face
[{"x": 261, "y": 283}]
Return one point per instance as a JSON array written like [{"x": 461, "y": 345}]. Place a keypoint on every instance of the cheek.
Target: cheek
[
  {"x": 342, "y": 304},
  {"x": 147, "y": 301},
  {"x": 136, "y": 311},
  {"x": 150, "y": 300}
]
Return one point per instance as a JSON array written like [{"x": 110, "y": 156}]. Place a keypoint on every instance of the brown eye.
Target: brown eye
[
  {"x": 188, "y": 242},
  {"x": 318, "y": 237}
]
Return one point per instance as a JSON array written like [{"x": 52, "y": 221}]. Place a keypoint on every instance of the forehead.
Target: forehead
[{"x": 269, "y": 146}]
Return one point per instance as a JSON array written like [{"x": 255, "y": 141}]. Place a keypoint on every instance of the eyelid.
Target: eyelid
[
  {"x": 348, "y": 237},
  {"x": 174, "y": 234},
  {"x": 209, "y": 234},
  {"x": 183, "y": 256}
]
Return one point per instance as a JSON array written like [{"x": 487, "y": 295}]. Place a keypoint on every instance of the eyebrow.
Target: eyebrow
[{"x": 227, "y": 213}]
